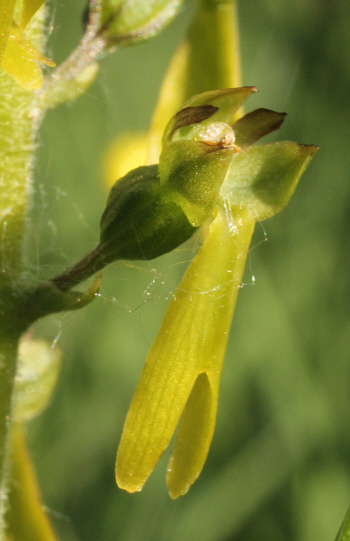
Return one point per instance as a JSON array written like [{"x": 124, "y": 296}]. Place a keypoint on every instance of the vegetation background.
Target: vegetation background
[{"x": 279, "y": 465}]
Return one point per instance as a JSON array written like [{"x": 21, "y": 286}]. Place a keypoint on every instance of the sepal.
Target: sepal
[{"x": 263, "y": 178}]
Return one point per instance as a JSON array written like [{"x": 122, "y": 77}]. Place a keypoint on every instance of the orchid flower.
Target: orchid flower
[{"x": 208, "y": 168}]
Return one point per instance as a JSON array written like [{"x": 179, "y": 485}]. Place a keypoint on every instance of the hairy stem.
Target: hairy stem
[{"x": 19, "y": 120}]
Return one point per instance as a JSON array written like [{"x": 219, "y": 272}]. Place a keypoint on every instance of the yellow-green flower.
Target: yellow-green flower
[
  {"x": 179, "y": 384},
  {"x": 17, "y": 55}
]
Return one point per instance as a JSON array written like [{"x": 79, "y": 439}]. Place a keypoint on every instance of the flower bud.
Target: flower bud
[{"x": 125, "y": 21}]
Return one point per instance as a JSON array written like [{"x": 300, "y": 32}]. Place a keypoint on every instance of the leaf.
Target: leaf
[{"x": 263, "y": 178}]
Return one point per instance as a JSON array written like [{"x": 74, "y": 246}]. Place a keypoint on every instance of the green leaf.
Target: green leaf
[
  {"x": 264, "y": 177},
  {"x": 251, "y": 127}
]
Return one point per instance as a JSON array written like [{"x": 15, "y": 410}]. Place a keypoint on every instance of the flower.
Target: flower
[
  {"x": 17, "y": 55},
  {"x": 209, "y": 169}
]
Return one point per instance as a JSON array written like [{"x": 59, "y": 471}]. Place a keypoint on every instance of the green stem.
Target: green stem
[
  {"x": 8, "y": 355},
  {"x": 19, "y": 120},
  {"x": 78, "y": 71}
]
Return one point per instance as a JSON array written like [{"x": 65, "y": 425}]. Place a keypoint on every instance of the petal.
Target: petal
[
  {"x": 30, "y": 7},
  {"x": 264, "y": 177},
  {"x": 191, "y": 341},
  {"x": 228, "y": 101},
  {"x": 191, "y": 115},
  {"x": 251, "y": 127},
  {"x": 194, "y": 436},
  {"x": 6, "y": 14}
]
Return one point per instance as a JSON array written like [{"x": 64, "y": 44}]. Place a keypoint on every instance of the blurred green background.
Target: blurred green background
[{"x": 279, "y": 465}]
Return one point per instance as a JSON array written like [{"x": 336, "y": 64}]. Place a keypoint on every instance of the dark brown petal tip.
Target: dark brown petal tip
[
  {"x": 251, "y": 127},
  {"x": 191, "y": 115}
]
